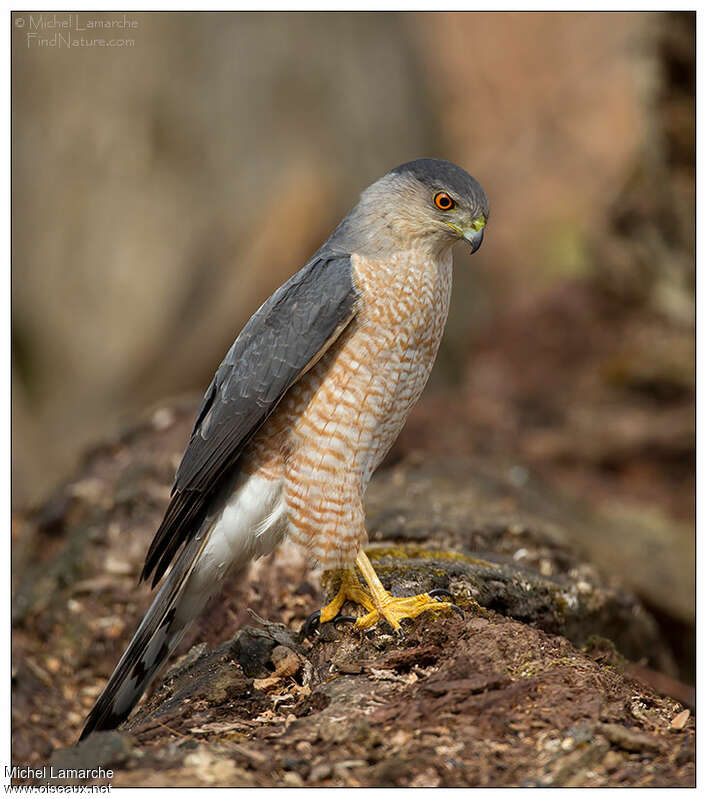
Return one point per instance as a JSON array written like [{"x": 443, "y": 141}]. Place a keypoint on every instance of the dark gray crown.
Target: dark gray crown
[{"x": 443, "y": 175}]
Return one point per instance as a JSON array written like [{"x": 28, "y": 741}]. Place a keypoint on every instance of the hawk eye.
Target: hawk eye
[{"x": 444, "y": 202}]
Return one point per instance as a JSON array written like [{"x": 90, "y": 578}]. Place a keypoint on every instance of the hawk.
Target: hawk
[{"x": 303, "y": 408}]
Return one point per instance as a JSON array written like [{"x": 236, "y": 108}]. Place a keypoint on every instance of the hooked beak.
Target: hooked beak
[{"x": 474, "y": 237}]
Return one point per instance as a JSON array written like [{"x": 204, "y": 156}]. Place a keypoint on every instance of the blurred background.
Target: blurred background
[{"x": 164, "y": 186}]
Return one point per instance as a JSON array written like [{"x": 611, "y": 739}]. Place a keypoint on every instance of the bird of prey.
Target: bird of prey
[{"x": 305, "y": 405}]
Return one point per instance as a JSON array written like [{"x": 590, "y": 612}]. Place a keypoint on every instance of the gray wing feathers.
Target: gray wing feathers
[{"x": 280, "y": 341}]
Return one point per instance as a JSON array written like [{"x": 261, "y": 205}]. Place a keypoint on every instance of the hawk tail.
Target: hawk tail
[
  {"x": 159, "y": 632},
  {"x": 246, "y": 523}
]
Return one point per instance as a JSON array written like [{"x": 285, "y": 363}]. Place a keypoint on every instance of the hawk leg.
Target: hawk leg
[{"x": 378, "y": 603}]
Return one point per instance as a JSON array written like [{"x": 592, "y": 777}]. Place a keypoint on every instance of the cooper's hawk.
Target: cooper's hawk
[{"x": 305, "y": 405}]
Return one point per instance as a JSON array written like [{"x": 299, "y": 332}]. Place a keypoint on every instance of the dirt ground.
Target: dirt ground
[
  {"x": 484, "y": 701},
  {"x": 535, "y": 686}
]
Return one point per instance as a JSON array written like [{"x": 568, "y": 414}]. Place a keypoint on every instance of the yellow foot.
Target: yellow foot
[
  {"x": 379, "y": 603},
  {"x": 394, "y": 609}
]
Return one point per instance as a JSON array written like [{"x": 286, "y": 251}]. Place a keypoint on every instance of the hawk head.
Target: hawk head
[{"x": 428, "y": 202}]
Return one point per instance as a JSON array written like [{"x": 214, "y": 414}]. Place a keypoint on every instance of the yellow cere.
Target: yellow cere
[{"x": 477, "y": 224}]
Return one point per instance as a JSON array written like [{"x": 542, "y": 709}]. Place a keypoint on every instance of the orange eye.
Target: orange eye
[{"x": 444, "y": 202}]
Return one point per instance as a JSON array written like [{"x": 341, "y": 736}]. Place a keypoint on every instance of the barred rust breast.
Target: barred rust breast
[{"x": 337, "y": 423}]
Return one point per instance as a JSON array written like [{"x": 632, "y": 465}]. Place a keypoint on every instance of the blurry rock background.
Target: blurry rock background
[{"x": 162, "y": 190}]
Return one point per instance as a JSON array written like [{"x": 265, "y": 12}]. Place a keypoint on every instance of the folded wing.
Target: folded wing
[{"x": 280, "y": 342}]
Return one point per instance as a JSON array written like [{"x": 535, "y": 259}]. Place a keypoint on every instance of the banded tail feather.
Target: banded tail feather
[{"x": 156, "y": 638}]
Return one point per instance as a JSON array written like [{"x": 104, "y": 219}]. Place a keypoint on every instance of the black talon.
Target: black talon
[
  {"x": 401, "y": 634},
  {"x": 311, "y": 625},
  {"x": 438, "y": 592}
]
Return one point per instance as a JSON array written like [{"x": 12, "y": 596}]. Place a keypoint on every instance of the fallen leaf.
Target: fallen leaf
[{"x": 679, "y": 722}]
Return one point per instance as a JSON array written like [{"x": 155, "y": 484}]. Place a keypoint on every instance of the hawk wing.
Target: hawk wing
[{"x": 280, "y": 342}]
